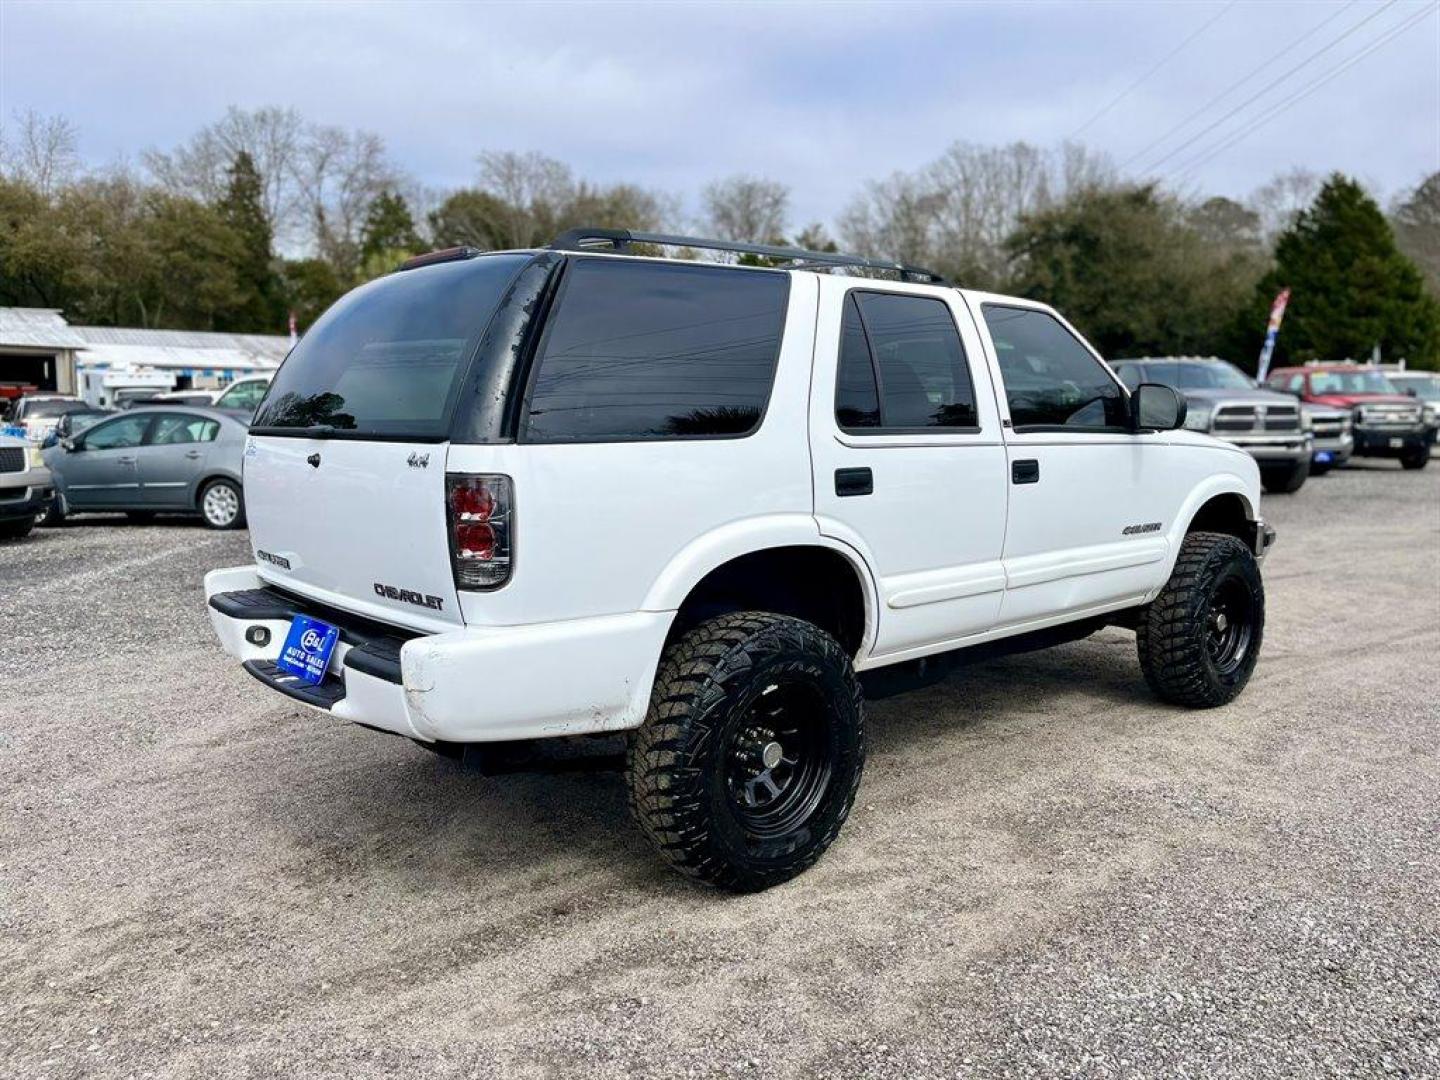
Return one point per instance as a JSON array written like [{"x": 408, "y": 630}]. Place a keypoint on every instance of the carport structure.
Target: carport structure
[{"x": 37, "y": 350}]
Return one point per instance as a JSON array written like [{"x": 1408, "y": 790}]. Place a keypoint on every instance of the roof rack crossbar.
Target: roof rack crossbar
[{"x": 592, "y": 239}]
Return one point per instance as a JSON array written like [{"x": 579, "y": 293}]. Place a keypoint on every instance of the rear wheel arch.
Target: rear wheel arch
[{"x": 818, "y": 583}]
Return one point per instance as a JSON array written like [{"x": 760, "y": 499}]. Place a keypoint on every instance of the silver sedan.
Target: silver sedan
[{"x": 175, "y": 459}]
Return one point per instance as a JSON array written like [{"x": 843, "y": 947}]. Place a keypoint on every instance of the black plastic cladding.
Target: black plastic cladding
[{"x": 486, "y": 407}]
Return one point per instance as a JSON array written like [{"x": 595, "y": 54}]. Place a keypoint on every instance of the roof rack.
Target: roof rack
[{"x": 590, "y": 239}]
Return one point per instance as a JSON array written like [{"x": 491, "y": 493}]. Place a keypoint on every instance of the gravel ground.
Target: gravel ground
[{"x": 1047, "y": 873}]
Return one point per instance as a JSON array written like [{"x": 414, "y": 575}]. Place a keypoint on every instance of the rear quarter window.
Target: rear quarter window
[
  {"x": 644, "y": 350},
  {"x": 388, "y": 358}
]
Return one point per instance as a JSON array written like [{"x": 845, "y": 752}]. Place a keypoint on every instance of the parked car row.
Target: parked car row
[
  {"x": 1303, "y": 421},
  {"x": 60, "y": 456}
]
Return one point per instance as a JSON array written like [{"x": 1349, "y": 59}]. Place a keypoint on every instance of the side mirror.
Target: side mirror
[
  {"x": 70, "y": 445},
  {"x": 1156, "y": 407}
]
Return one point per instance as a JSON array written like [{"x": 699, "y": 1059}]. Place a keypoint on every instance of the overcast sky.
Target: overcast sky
[{"x": 819, "y": 96}]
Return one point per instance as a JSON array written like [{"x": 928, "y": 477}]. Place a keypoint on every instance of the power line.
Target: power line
[
  {"x": 1234, "y": 86},
  {"x": 1277, "y": 109},
  {"x": 1268, "y": 87},
  {"x": 1158, "y": 65}
]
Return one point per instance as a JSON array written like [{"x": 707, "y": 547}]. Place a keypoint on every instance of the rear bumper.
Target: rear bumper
[{"x": 477, "y": 684}]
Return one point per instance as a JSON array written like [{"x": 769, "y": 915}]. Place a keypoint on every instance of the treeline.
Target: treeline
[{"x": 261, "y": 215}]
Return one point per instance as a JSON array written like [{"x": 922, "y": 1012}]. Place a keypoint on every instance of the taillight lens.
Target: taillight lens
[{"x": 481, "y": 512}]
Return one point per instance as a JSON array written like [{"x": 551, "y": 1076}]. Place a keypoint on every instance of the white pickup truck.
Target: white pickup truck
[{"x": 519, "y": 495}]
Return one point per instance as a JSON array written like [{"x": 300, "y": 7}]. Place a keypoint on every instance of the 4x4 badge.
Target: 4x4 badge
[{"x": 417, "y": 461}]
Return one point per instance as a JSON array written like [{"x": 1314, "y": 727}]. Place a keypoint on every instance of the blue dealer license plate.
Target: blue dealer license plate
[{"x": 307, "y": 649}]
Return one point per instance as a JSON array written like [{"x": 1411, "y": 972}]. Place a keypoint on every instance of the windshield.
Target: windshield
[
  {"x": 78, "y": 422},
  {"x": 1350, "y": 382},
  {"x": 1191, "y": 376},
  {"x": 1425, "y": 387},
  {"x": 243, "y": 395},
  {"x": 46, "y": 407},
  {"x": 388, "y": 358}
]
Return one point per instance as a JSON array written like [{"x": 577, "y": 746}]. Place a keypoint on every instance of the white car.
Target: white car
[
  {"x": 25, "y": 489},
  {"x": 243, "y": 395},
  {"x": 37, "y": 414},
  {"x": 531, "y": 494}
]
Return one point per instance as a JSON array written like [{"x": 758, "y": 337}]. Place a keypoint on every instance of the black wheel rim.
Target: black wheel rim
[
  {"x": 1230, "y": 625},
  {"x": 779, "y": 759}
]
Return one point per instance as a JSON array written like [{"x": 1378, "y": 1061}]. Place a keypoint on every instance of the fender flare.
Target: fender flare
[
  {"x": 712, "y": 550},
  {"x": 1209, "y": 488}
]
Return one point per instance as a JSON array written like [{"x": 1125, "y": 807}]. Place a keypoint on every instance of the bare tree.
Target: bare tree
[
  {"x": 338, "y": 174},
  {"x": 746, "y": 209},
  {"x": 956, "y": 213},
  {"x": 1416, "y": 220},
  {"x": 40, "y": 150},
  {"x": 275, "y": 140},
  {"x": 532, "y": 188},
  {"x": 1280, "y": 201}
]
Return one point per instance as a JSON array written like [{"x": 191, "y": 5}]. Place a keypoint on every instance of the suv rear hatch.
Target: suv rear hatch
[{"x": 344, "y": 468}]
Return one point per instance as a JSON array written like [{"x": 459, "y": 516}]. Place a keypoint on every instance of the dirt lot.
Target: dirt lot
[{"x": 1047, "y": 872}]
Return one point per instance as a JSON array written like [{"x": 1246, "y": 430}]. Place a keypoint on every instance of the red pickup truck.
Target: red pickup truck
[{"x": 1387, "y": 423}]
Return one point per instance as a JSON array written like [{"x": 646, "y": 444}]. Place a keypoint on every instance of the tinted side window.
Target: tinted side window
[
  {"x": 1051, "y": 380},
  {"x": 173, "y": 430},
  {"x": 641, "y": 350},
  {"x": 915, "y": 355},
  {"x": 127, "y": 431},
  {"x": 857, "y": 401}
]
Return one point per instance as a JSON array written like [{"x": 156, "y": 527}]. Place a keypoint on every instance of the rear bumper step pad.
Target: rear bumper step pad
[
  {"x": 374, "y": 647},
  {"x": 323, "y": 695}
]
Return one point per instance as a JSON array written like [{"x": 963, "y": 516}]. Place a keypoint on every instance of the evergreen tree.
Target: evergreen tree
[
  {"x": 242, "y": 209},
  {"x": 389, "y": 228},
  {"x": 1350, "y": 287},
  {"x": 1132, "y": 269}
]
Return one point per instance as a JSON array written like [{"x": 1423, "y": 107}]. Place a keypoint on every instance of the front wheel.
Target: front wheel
[
  {"x": 1200, "y": 638},
  {"x": 15, "y": 528},
  {"x": 1286, "y": 479},
  {"x": 220, "y": 505},
  {"x": 1416, "y": 459},
  {"x": 751, "y": 751}
]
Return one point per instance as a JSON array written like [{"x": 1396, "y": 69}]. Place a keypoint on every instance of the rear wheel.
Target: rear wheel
[
  {"x": 220, "y": 505},
  {"x": 1285, "y": 479},
  {"x": 1200, "y": 639},
  {"x": 1415, "y": 459},
  {"x": 751, "y": 752},
  {"x": 16, "y": 528}
]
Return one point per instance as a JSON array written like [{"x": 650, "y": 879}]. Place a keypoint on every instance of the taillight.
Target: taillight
[{"x": 480, "y": 509}]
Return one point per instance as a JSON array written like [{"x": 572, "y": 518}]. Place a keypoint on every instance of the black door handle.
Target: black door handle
[
  {"x": 1025, "y": 471},
  {"x": 853, "y": 482}
]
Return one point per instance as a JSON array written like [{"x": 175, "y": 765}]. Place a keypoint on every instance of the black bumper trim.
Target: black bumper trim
[
  {"x": 325, "y": 695},
  {"x": 374, "y": 646},
  {"x": 1373, "y": 443}
]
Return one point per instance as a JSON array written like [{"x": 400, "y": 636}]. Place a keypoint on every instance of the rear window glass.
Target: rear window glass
[
  {"x": 642, "y": 350},
  {"x": 388, "y": 358}
]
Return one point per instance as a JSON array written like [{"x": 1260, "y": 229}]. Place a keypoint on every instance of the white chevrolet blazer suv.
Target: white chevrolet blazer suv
[{"x": 581, "y": 490}]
